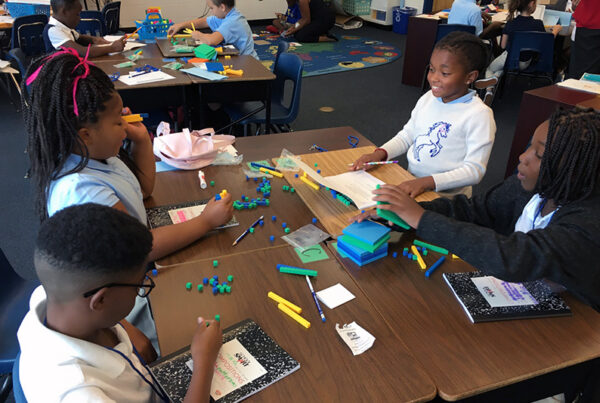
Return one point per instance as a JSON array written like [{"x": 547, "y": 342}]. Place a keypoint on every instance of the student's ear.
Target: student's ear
[
  {"x": 98, "y": 300},
  {"x": 471, "y": 77},
  {"x": 85, "y": 135}
]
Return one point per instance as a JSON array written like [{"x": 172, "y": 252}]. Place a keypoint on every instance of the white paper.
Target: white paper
[
  {"x": 500, "y": 17},
  {"x": 129, "y": 45},
  {"x": 355, "y": 337},
  {"x": 145, "y": 78},
  {"x": 231, "y": 150},
  {"x": 580, "y": 85},
  {"x": 6, "y": 19},
  {"x": 234, "y": 368},
  {"x": 500, "y": 293},
  {"x": 187, "y": 213},
  {"x": 335, "y": 296}
]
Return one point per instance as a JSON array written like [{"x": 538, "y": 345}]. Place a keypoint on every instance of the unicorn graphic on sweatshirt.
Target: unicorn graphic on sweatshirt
[{"x": 431, "y": 140}]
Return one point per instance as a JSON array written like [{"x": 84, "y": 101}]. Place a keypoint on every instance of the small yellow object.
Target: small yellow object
[
  {"x": 234, "y": 72},
  {"x": 187, "y": 31},
  {"x": 420, "y": 260},
  {"x": 193, "y": 27},
  {"x": 455, "y": 257},
  {"x": 274, "y": 173},
  {"x": 309, "y": 182},
  {"x": 304, "y": 174},
  {"x": 219, "y": 49},
  {"x": 294, "y": 315},
  {"x": 223, "y": 193},
  {"x": 227, "y": 57},
  {"x": 132, "y": 118},
  {"x": 284, "y": 301},
  {"x": 182, "y": 36}
]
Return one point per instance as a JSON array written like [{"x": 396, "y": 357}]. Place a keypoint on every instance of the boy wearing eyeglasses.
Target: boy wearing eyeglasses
[{"x": 75, "y": 345}]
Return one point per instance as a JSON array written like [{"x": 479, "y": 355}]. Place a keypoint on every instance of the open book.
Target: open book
[{"x": 248, "y": 362}]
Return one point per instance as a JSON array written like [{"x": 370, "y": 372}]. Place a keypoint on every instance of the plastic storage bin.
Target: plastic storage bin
[
  {"x": 401, "y": 16},
  {"x": 154, "y": 26},
  {"x": 357, "y": 7},
  {"x": 19, "y": 9}
]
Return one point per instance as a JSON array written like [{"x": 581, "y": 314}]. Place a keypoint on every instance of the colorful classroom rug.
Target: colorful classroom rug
[{"x": 349, "y": 53}]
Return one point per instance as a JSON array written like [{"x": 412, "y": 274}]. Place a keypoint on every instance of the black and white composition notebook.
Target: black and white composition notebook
[
  {"x": 486, "y": 298},
  {"x": 177, "y": 213},
  {"x": 248, "y": 362}
]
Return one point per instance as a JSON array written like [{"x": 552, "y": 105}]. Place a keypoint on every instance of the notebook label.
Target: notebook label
[{"x": 500, "y": 293}]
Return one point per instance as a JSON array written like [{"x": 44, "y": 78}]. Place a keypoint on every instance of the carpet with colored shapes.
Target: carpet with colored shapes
[{"x": 349, "y": 53}]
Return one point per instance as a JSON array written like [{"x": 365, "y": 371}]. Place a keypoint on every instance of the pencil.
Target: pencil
[
  {"x": 239, "y": 238},
  {"x": 133, "y": 33},
  {"x": 312, "y": 291}
]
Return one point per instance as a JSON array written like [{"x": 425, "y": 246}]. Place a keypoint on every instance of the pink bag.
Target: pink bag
[{"x": 193, "y": 150}]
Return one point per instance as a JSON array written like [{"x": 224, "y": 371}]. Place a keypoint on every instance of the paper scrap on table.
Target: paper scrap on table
[
  {"x": 500, "y": 293},
  {"x": 231, "y": 372},
  {"x": 198, "y": 72},
  {"x": 145, "y": 78},
  {"x": 357, "y": 338},
  {"x": 184, "y": 214},
  {"x": 128, "y": 45},
  {"x": 4, "y": 63},
  {"x": 335, "y": 296}
]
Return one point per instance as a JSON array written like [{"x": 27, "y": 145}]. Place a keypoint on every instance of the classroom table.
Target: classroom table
[
  {"x": 328, "y": 370},
  {"x": 536, "y": 106},
  {"x": 182, "y": 186}
]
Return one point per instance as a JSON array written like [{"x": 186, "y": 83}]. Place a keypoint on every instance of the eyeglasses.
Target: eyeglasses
[{"x": 143, "y": 289}]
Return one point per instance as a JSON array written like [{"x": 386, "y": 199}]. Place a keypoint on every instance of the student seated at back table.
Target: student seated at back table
[
  {"x": 91, "y": 261},
  {"x": 228, "y": 26},
  {"x": 541, "y": 223},
  {"x": 76, "y": 132},
  {"x": 60, "y": 31},
  {"x": 450, "y": 133},
  {"x": 467, "y": 12}
]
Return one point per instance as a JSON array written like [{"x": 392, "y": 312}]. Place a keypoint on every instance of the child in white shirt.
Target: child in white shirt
[{"x": 450, "y": 134}]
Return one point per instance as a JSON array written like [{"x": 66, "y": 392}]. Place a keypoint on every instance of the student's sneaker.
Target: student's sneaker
[
  {"x": 486, "y": 83},
  {"x": 488, "y": 98}
]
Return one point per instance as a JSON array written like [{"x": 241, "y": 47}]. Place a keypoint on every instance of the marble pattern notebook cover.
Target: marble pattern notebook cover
[
  {"x": 159, "y": 216},
  {"x": 174, "y": 376}
]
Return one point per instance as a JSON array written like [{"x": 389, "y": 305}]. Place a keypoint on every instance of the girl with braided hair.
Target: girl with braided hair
[{"x": 543, "y": 223}]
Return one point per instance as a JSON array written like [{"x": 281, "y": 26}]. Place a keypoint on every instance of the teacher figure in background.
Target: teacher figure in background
[{"x": 314, "y": 25}]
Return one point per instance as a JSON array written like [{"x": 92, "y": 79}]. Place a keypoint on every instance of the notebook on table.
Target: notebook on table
[
  {"x": 486, "y": 298},
  {"x": 180, "y": 212},
  {"x": 248, "y": 362}
]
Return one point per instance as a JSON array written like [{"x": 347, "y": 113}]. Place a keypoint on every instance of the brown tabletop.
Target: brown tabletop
[
  {"x": 181, "y": 79},
  {"x": 591, "y": 103},
  {"x": 537, "y": 106},
  {"x": 254, "y": 70},
  {"x": 329, "y": 371},
  {"x": 182, "y": 186},
  {"x": 462, "y": 358}
]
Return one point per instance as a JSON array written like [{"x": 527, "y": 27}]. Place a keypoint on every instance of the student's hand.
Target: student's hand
[
  {"x": 400, "y": 203},
  {"x": 197, "y": 35},
  {"x": 556, "y": 29},
  {"x": 288, "y": 32},
  {"x": 486, "y": 17},
  {"x": 206, "y": 343},
  {"x": 136, "y": 132},
  {"x": 141, "y": 343},
  {"x": 98, "y": 40},
  {"x": 118, "y": 45},
  {"x": 377, "y": 155},
  {"x": 279, "y": 16},
  {"x": 218, "y": 212},
  {"x": 372, "y": 213},
  {"x": 173, "y": 29},
  {"x": 415, "y": 187}
]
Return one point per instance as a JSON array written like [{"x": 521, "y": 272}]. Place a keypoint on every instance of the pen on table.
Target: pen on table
[
  {"x": 377, "y": 163},
  {"x": 248, "y": 230},
  {"x": 139, "y": 74},
  {"x": 435, "y": 266},
  {"x": 202, "y": 179},
  {"x": 312, "y": 291}
]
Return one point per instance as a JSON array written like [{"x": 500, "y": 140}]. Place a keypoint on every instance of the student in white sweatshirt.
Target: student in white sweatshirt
[{"x": 450, "y": 134}]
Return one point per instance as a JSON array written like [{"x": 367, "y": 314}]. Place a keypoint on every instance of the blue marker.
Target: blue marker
[
  {"x": 255, "y": 165},
  {"x": 435, "y": 266},
  {"x": 312, "y": 291}
]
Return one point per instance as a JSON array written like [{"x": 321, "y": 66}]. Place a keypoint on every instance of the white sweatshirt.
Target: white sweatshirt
[{"x": 449, "y": 141}]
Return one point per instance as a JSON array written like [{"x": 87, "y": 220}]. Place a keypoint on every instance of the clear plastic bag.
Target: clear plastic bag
[
  {"x": 286, "y": 163},
  {"x": 306, "y": 237}
]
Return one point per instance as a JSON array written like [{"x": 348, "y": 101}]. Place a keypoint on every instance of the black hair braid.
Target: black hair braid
[
  {"x": 473, "y": 53},
  {"x": 570, "y": 167},
  {"x": 51, "y": 123}
]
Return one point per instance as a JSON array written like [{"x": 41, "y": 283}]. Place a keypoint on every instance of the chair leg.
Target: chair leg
[
  {"x": 258, "y": 130},
  {"x": 246, "y": 130}
]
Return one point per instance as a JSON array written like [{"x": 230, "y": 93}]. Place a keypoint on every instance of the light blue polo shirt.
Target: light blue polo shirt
[
  {"x": 235, "y": 30},
  {"x": 462, "y": 100},
  {"x": 104, "y": 183},
  {"x": 466, "y": 12}
]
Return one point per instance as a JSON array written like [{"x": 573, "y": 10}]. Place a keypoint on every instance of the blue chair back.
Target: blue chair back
[
  {"x": 18, "y": 393},
  {"x": 289, "y": 68},
  {"x": 445, "y": 29},
  {"x": 14, "y": 304},
  {"x": 537, "y": 46},
  {"x": 281, "y": 48},
  {"x": 92, "y": 23},
  {"x": 27, "y": 34},
  {"x": 112, "y": 17}
]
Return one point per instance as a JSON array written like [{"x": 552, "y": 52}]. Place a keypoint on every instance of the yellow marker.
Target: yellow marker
[
  {"x": 284, "y": 301},
  {"x": 309, "y": 183},
  {"x": 132, "y": 118},
  {"x": 193, "y": 27},
  {"x": 420, "y": 260},
  {"x": 455, "y": 257},
  {"x": 294, "y": 315},
  {"x": 234, "y": 72},
  {"x": 274, "y": 173},
  {"x": 227, "y": 57}
]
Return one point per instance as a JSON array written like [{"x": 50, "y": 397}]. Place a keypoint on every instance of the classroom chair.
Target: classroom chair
[
  {"x": 86, "y": 6},
  {"x": 91, "y": 23},
  {"x": 539, "y": 48},
  {"x": 442, "y": 31},
  {"x": 14, "y": 304},
  {"x": 283, "y": 113},
  {"x": 281, "y": 48},
  {"x": 112, "y": 16},
  {"x": 18, "y": 393},
  {"x": 27, "y": 41}
]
